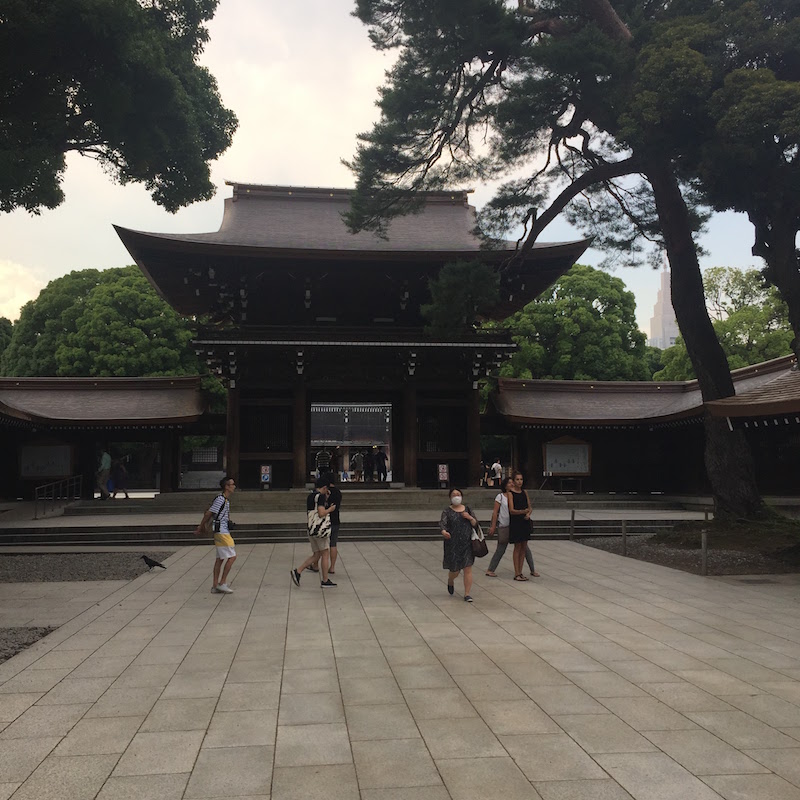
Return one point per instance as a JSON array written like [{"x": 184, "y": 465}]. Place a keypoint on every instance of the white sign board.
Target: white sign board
[
  {"x": 45, "y": 461},
  {"x": 567, "y": 459}
]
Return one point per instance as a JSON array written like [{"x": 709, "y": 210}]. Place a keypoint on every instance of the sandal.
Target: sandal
[
  {"x": 536, "y": 575},
  {"x": 491, "y": 574},
  {"x": 520, "y": 577}
]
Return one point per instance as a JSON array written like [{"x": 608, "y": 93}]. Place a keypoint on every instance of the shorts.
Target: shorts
[
  {"x": 334, "y": 533},
  {"x": 226, "y": 552},
  {"x": 319, "y": 543}
]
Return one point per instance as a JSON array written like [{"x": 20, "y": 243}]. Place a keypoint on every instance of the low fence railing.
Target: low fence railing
[{"x": 51, "y": 496}]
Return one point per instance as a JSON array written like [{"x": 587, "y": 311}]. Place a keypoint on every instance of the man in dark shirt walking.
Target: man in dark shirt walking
[
  {"x": 335, "y": 502},
  {"x": 380, "y": 464}
]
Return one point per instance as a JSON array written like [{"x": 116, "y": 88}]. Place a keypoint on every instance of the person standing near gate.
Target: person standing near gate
[
  {"x": 497, "y": 473},
  {"x": 357, "y": 463},
  {"x": 369, "y": 465},
  {"x": 334, "y": 502},
  {"x": 380, "y": 464},
  {"x": 103, "y": 472}
]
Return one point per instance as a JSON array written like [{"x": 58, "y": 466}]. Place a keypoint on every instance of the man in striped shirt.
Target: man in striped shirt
[{"x": 223, "y": 541}]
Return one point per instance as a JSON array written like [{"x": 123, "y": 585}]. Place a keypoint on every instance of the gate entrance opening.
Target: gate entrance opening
[{"x": 352, "y": 440}]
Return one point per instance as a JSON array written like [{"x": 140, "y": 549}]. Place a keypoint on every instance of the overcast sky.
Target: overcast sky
[{"x": 302, "y": 79}]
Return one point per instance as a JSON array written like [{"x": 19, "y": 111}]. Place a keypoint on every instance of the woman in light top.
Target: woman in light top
[
  {"x": 499, "y": 524},
  {"x": 457, "y": 524}
]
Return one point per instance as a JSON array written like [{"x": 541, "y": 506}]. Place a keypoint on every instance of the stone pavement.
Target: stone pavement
[{"x": 605, "y": 679}]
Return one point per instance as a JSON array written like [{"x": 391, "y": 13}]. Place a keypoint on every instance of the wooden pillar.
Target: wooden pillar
[
  {"x": 474, "y": 437},
  {"x": 166, "y": 484},
  {"x": 87, "y": 466},
  {"x": 300, "y": 437},
  {"x": 232, "y": 433},
  {"x": 410, "y": 435}
]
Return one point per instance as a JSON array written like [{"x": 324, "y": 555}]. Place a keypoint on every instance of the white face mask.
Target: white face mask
[{"x": 455, "y": 500}]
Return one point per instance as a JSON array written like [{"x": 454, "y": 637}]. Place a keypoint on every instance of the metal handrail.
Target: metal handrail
[{"x": 56, "y": 494}]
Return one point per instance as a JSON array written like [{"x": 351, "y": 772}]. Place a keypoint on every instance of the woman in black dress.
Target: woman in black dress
[
  {"x": 519, "y": 527},
  {"x": 457, "y": 524}
]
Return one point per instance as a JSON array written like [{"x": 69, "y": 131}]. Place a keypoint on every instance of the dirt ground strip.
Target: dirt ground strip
[{"x": 721, "y": 560}]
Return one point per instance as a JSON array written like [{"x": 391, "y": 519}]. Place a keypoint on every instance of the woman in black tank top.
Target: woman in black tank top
[{"x": 519, "y": 528}]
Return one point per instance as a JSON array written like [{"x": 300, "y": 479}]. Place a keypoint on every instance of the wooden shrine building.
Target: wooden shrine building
[
  {"x": 298, "y": 312},
  {"x": 53, "y": 428},
  {"x": 647, "y": 436}
]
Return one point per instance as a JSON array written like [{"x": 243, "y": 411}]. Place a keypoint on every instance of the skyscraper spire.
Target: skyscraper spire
[{"x": 663, "y": 325}]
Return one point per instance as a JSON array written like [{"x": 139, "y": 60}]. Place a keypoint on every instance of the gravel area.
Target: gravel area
[
  {"x": 113, "y": 566},
  {"x": 720, "y": 561},
  {"x": 15, "y": 640}
]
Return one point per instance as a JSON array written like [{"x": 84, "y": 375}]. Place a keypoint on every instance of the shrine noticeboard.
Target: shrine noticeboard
[
  {"x": 567, "y": 457},
  {"x": 45, "y": 461}
]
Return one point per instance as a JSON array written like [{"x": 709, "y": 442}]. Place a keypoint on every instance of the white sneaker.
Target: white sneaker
[
  {"x": 224, "y": 588},
  {"x": 215, "y": 590}
]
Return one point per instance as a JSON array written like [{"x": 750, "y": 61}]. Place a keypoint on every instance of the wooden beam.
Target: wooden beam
[
  {"x": 232, "y": 434},
  {"x": 410, "y": 436},
  {"x": 300, "y": 436}
]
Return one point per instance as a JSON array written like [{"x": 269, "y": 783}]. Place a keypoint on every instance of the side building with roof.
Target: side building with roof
[{"x": 647, "y": 437}]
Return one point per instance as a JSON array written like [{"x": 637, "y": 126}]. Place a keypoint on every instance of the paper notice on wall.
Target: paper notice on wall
[
  {"x": 567, "y": 459},
  {"x": 45, "y": 461}
]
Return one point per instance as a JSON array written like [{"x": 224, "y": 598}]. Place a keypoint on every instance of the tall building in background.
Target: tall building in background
[{"x": 663, "y": 325}]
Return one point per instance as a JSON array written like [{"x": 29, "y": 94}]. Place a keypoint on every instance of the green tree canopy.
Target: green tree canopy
[
  {"x": 6, "y": 329},
  {"x": 751, "y": 323},
  {"x": 571, "y": 102},
  {"x": 583, "y": 328},
  {"x": 105, "y": 324},
  {"x": 116, "y": 80},
  {"x": 460, "y": 292}
]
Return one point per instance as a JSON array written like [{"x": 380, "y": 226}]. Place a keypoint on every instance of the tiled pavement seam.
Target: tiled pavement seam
[
  {"x": 753, "y": 724},
  {"x": 532, "y": 691},
  {"x": 83, "y": 619},
  {"x": 96, "y": 686}
]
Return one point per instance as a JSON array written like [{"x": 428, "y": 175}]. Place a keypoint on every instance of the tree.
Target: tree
[
  {"x": 568, "y": 94},
  {"x": 44, "y": 323},
  {"x": 655, "y": 360},
  {"x": 751, "y": 323},
  {"x": 115, "y": 80},
  {"x": 583, "y": 328},
  {"x": 460, "y": 292},
  {"x": 746, "y": 153},
  {"x": 105, "y": 324},
  {"x": 6, "y": 328}
]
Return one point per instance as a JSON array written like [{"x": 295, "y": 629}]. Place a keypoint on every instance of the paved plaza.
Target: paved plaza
[{"x": 605, "y": 679}]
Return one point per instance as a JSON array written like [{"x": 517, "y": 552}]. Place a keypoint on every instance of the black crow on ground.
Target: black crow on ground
[{"x": 151, "y": 562}]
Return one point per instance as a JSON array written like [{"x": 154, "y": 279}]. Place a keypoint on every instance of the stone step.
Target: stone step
[
  {"x": 355, "y": 500},
  {"x": 181, "y": 535}
]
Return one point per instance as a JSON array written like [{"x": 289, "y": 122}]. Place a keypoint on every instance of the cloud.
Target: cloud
[{"x": 18, "y": 285}]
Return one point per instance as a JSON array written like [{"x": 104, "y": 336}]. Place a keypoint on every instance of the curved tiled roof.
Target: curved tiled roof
[
  {"x": 310, "y": 219},
  {"x": 630, "y": 403},
  {"x": 779, "y": 395},
  {"x": 102, "y": 401}
]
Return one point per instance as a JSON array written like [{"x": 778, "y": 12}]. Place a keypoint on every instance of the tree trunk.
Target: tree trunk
[
  {"x": 729, "y": 462},
  {"x": 775, "y": 243}
]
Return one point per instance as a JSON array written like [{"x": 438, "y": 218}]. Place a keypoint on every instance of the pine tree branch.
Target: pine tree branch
[
  {"x": 607, "y": 19},
  {"x": 601, "y": 173}
]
